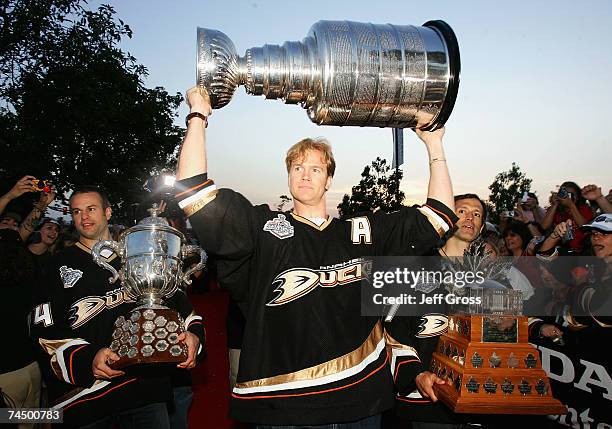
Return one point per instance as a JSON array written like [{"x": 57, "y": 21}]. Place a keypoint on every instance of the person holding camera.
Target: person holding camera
[
  {"x": 23, "y": 185},
  {"x": 528, "y": 208},
  {"x": 569, "y": 204}
]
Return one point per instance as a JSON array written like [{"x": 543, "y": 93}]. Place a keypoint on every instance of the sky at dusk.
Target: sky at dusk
[{"x": 536, "y": 89}]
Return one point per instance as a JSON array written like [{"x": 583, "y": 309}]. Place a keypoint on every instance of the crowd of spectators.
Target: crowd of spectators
[{"x": 540, "y": 239}]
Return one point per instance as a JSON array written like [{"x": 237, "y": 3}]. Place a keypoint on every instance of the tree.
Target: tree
[
  {"x": 76, "y": 110},
  {"x": 378, "y": 189},
  {"x": 506, "y": 190}
]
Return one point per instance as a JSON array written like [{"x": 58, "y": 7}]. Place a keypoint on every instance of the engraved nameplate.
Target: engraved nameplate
[{"x": 499, "y": 330}]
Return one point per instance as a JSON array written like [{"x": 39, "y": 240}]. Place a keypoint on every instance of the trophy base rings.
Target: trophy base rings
[
  {"x": 148, "y": 336},
  {"x": 491, "y": 368}
]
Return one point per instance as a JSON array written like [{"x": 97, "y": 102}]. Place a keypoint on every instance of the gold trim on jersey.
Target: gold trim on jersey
[
  {"x": 51, "y": 347},
  {"x": 602, "y": 324},
  {"x": 311, "y": 223},
  {"x": 192, "y": 208},
  {"x": 393, "y": 343},
  {"x": 396, "y": 350},
  {"x": 88, "y": 250},
  {"x": 434, "y": 220},
  {"x": 328, "y": 368}
]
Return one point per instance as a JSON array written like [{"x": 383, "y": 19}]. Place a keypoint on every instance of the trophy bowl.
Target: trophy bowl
[{"x": 152, "y": 255}]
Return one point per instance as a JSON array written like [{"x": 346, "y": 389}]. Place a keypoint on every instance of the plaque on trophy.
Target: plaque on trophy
[
  {"x": 487, "y": 358},
  {"x": 344, "y": 73},
  {"x": 152, "y": 255}
]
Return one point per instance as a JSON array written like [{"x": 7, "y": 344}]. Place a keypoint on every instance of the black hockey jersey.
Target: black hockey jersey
[
  {"x": 74, "y": 319},
  {"x": 422, "y": 333},
  {"x": 308, "y": 356}
]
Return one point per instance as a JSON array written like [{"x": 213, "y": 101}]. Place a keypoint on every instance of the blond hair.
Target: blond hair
[{"x": 298, "y": 152}]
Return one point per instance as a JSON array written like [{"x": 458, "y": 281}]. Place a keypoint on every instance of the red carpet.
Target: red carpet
[{"x": 210, "y": 408}]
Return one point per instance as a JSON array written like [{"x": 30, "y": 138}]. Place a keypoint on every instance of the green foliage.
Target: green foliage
[
  {"x": 377, "y": 190},
  {"x": 76, "y": 110},
  {"x": 507, "y": 188},
  {"x": 284, "y": 199}
]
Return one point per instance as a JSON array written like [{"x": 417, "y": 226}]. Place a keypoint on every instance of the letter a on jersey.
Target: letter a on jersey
[{"x": 360, "y": 230}]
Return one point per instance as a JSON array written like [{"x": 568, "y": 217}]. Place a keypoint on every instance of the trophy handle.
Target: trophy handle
[
  {"x": 188, "y": 249},
  {"x": 98, "y": 259}
]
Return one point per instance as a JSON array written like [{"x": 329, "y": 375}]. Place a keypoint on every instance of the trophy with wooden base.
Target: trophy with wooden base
[
  {"x": 486, "y": 357},
  {"x": 152, "y": 253}
]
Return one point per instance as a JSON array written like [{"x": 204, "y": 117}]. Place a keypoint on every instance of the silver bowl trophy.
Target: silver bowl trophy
[
  {"x": 344, "y": 73},
  {"x": 152, "y": 254}
]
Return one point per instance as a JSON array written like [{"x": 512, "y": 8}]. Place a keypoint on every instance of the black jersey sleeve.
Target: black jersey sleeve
[
  {"x": 412, "y": 230},
  {"x": 223, "y": 221},
  {"x": 411, "y": 342},
  {"x": 194, "y": 323},
  {"x": 405, "y": 359}
]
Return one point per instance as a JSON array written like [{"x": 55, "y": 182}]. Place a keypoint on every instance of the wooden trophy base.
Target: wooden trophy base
[
  {"x": 492, "y": 368},
  {"x": 148, "y": 336}
]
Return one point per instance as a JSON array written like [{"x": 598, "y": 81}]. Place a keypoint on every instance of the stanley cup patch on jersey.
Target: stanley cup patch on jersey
[
  {"x": 70, "y": 276},
  {"x": 279, "y": 227}
]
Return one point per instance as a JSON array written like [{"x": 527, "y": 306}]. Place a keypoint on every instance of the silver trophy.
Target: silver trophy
[
  {"x": 344, "y": 73},
  {"x": 152, "y": 254}
]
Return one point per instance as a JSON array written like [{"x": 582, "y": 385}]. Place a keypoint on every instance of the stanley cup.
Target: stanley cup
[{"x": 344, "y": 73}]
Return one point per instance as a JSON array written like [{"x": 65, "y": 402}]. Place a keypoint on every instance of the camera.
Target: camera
[
  {"x": 41, "y": 185},
  {"x": 569, "y": 235},
  {"x": 507, "y": 213},
  {"x": 563, "y": 194},
  {"x": 160, "y": 184}
]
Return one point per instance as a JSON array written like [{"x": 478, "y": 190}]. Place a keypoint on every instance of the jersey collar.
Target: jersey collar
[{"x": 312, "y": 224}]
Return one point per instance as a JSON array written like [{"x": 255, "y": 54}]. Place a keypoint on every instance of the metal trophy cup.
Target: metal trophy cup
[
  {"x": 487, "y": 358},
  {"x": 152, "y": 254},
  {"x": 344, "y": 73}
]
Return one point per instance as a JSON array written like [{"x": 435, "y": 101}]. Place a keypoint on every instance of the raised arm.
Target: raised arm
[
  {"x": 549, "y": 217},
  {"x": 192, "y": 156},
  {"x": 593, "y": 193},
  {"x": 22, "y": 186},
  {"x": 440, "y": 186},
  {"x": 27, "y": 226}
]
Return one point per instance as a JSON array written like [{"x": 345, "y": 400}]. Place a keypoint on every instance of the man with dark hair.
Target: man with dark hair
[
  {"x": 421, "y": 407},
  {"x": 87, "y": 189},
  {"x": 472, "y": 213},
  {"x": 73, "y": 326}
]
